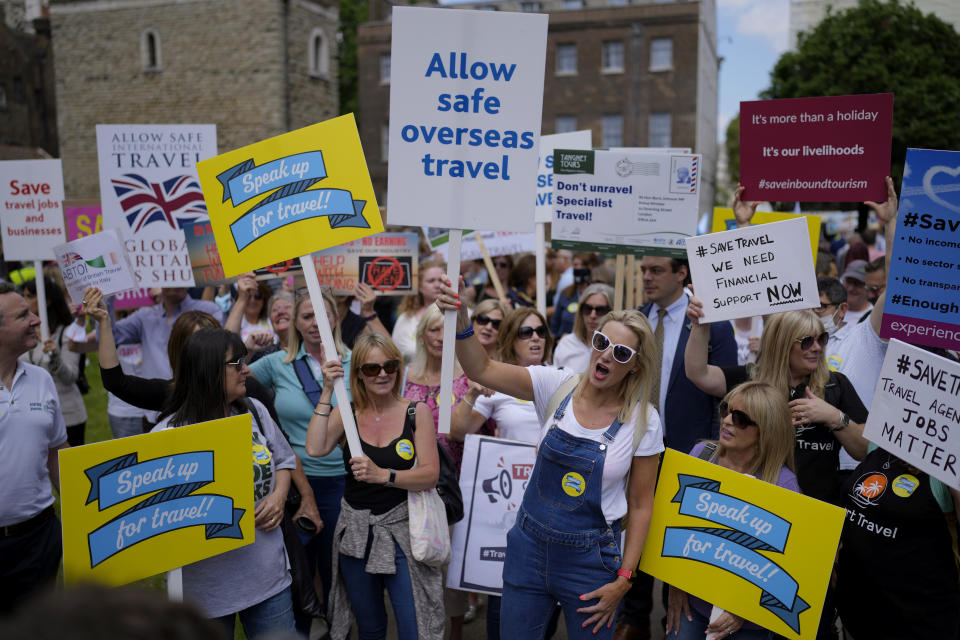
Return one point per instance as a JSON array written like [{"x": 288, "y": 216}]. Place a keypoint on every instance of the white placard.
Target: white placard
[
  {"x": 98, "y": 260},
  {"x": 465, "y": 108},
  {"x": 619, "y": 202},
  {"x": 754, "y": 271},
  {"x": 649, "y": 149},
  {"x": 493, "y": 478},
  {"x": 149, "y": 190},
  {"x": 914, "y": 413},
  {"x": 497, "y": 243},
  {"x": 572, "y": 140},
  {"x": 31, "y": 208}
]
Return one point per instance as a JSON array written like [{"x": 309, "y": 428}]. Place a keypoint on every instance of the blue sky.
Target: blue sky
[{"x": 751, "y": 36}]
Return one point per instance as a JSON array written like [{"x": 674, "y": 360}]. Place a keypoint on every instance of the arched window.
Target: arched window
[
  {"x": 319, "y": 53},
  {"x": 150, "y": 50}
]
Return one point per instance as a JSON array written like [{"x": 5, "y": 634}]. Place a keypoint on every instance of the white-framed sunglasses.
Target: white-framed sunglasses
[{"x": 621, "y": 352}]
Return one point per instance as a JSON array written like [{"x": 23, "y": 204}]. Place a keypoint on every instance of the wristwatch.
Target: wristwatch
[
  {"x": 392, "y": 479},
  {"x": 844, "y": 423}
]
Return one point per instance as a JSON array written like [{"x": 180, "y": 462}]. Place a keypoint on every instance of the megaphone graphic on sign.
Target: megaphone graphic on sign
[{"x": 500, "y": 484}]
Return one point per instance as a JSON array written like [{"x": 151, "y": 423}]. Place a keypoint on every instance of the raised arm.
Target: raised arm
[
  {"x": 94, "y": 306},
  {"x": 465, "y": 419},
  {"x": 510, "y": 379},
  {"x": 886, "y": 212},
  {"x": 246, "y": 287},
  {"x": 367, "y": 296},
  {"x": 743, "y": 211},
  {"x": 326, "y": 425},
  {"x": 707, "y": 377}
]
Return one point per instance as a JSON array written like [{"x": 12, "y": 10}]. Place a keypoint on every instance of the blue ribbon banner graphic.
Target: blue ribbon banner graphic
[
  {"x": 169, "y": 480},
  {"x": 735, "y": 550},
  {"x": 292, "y": 200}
]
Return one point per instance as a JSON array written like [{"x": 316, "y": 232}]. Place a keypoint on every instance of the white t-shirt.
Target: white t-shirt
[
  {"x": 516, "y": 419},
  {"x": 613, "y": 500},
  {"x": 405, "y": 335},
  {"x": 853, "y": 317},
  {"x": 571, "y": 354}
]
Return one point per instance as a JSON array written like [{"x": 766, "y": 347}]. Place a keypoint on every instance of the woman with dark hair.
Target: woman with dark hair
[
  {"x": 252, "y": 581},
  {"x": 54, "y": 356},
  {"x": 503, "y": 265},
  {"x": 568, "y": 298},
  {"x": 250, "y": 314},
  {"x": 372, "y": 538},
  {"x": 523, "y": 282}
]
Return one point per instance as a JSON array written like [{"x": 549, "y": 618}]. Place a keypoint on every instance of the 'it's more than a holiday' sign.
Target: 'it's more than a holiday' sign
[{"x": 465, "y": 109}]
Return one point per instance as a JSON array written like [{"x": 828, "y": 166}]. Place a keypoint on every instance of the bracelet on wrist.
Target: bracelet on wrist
[
  {"x": 467, "y": 402},
  {"x": 626, "y": 573},
  {"x": 327, "y": 404},
  {"x": 466, "y": 333},
  {"x": 322, "y": 415},
  {"x": 372, "y": 316}
]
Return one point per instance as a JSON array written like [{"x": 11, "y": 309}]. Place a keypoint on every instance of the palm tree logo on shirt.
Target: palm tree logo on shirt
[{"x": 868, "y": 488}]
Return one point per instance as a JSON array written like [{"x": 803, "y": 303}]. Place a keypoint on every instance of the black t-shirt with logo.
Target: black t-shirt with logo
[
  {"x": 896, "y": 577},
  {"x": 399, "y": 454},
  {"x": 817, "y": 450}
]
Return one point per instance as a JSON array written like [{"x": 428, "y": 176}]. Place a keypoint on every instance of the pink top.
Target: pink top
[{"x": 422, "y": 393}]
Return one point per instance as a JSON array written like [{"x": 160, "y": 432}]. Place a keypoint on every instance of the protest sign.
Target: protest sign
[
  {"x": 723, "y": 220},
  {"x": 264, "y": 207},
  {"x": 83, "y": 218},
  {"x": 497, "y": 243},
  {"x": 832, "y": 149},
  {"x": 619, "y": 202},
  {"x": 149, "y": 191},
  {"x": 31, "y": 208},
  {"x": 914, "y": 411},
  {"x": 135, "y": 507},
  {"x": 921, "y": 297},
  {"x": 493, "y": 478},
  {"x": 753, "y": 271},
  {"x": 752, "y": 548},
  {"x": 465, "y": 113},
  {"x": 388, "y": 262},
  {"x": 98, "y": 260},
  {"x": 572, "y": 140},
  {"x": 205, "y": 259}
]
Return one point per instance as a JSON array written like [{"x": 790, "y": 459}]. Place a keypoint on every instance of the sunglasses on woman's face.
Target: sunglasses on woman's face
[
  {"x": 621, "y": 352},
  {"x": 601, "y": 310},
  {"x": 525, "y": 333},
  {"x": 807, "y": 342},
  {"x": 482, "y": 319},
  {"x": 739, "y": 418},
  {"x": 372, "y": 369},
  {"x": 237, "y": 364}
]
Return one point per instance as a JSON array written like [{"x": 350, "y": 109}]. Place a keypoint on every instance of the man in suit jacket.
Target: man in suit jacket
[{"x": 688, "y": 414}]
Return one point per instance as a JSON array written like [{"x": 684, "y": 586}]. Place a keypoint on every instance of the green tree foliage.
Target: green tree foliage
[
  {"x": 881, "y": 47},
  {"x": 732, "y": 148},
  {"x": 352, "y": 13}
]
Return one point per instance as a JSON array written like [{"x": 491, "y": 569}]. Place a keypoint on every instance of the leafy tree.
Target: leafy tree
[
  {"x": 732, "y": 149},
  {"x": 880, "y": 47},
  {"x": 352, "y": 13}
]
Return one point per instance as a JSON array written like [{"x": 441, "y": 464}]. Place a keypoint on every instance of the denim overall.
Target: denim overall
[{"x": 561, "y": 546}]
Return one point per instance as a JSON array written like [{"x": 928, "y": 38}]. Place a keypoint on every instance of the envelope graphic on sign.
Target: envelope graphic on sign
[
  {"x": 953, "y": 188},
  {"x": 288, "y": 181}
]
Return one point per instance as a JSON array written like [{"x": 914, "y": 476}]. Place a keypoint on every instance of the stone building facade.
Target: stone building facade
[
  {"x": 637, "y": 75},
  {"x": 254, "y": 68}
]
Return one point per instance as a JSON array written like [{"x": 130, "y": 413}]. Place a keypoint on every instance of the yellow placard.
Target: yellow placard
[
  {"x": 723, "y": 220},
  {"x": 289, "y": 196},
  {"x": 135, "y": 507},
  {"x": 749, "y": 547}
]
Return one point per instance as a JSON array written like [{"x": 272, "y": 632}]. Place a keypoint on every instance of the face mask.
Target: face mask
[{"x": 830, "y": 324}]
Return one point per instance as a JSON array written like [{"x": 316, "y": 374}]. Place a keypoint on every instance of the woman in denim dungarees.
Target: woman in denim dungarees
[{"x": 566, "y": 544}]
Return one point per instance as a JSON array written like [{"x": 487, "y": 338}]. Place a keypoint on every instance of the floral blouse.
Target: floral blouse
[{"x": 423, "y": 393}]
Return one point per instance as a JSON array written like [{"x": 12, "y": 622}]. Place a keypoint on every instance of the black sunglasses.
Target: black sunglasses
[
  {"x": 601, "y": 310},
  {"x": 238, "y": 364},
  {"x": 807, "y": 342},
  {"x": 525, "y": 333},
  {"x": 502, "y": 265},
  {"x": 739, "y": 418},
  {"x": 483, "y": 319},
  {"x": 372, "y": 369}
]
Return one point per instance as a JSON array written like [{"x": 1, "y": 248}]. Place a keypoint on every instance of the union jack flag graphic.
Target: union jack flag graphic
[
  {"x": 71, "y": 258},
  {"x": 177, "y": 201}
]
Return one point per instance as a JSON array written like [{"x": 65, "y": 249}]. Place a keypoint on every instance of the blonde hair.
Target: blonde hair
[
  {"x": 579, "y": 326},
  {"x": 294, "y": 339},
  {"x": 415, "y": 302},
  {"x": 779, "y": 336},
  {"x": 776, "y": 437},
  {"x": 418, "y": 365},
  {"x": 491, "y": 304},
  {"x": 507, "y": 339},
  {"x": 634, "y": 389},
  {"x": 365, "y": 343}
]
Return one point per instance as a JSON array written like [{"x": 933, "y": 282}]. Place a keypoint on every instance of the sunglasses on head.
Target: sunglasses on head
[
  {"x": 621, "y": 352},
  {"x": 601, "y": 310},
  {"x": 739, "y": 418},
  {"x": 237, "y": 364},
  {"x": 525, "y": 333},
  {"x": 807, "y": 342},
  {"x": 372, "y": 369},
  {"x": 483, "y": 319}
]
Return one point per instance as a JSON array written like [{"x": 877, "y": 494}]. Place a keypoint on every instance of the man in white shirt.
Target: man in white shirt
[
  {"x": 31, "y": 434},
  {"x": 854, "y": 278}
]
